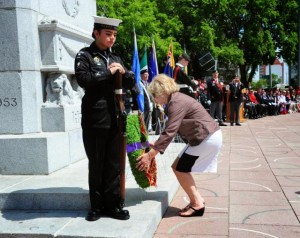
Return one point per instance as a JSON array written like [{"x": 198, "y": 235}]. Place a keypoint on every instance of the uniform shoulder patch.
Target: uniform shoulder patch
[{"x": 96, "y": 60}]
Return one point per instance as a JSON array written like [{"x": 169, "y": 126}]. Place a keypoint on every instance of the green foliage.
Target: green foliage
[
  {"x": 265, "y": 82},
  {"x": 239, "y": 33},
  {"x": 261, "y": 83},
  {"x": 276, "y": 80},
  {"x": 148, "y": 22},
  {"x": 134, "y": 135}
]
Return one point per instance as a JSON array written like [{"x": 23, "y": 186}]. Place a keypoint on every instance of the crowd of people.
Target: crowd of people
[
  {"x": 258, "y": 102},
  {"x": 270, "y": 102},
  {"x": 214, "y": 95}
]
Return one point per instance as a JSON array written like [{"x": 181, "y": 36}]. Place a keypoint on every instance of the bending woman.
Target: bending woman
[{"x": 187, "y": 117}]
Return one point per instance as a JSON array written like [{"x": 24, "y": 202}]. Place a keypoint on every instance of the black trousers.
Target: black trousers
[
  {"x": 103, "y": 152},
  {"x": 235, "y": 108}
]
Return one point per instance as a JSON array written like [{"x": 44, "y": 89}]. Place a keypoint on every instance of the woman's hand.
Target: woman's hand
[
  {"x": 143, "y": 162},
  {"x": 151, "y": 144}
]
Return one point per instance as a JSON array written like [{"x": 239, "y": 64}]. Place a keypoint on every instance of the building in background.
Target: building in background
[{"x": 279, "y": 68}]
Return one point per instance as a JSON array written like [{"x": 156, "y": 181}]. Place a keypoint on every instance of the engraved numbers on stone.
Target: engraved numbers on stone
[
  {"x": 76, "y": 116},
  {"x": 60, "y": 48},
  {"x": 71, "y": 7},
  {"x": 8, "y": 102}
]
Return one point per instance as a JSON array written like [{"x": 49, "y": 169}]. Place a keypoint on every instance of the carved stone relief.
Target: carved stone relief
[
  {"x": 60, "y": 92},
  {"x": 71, "y": 7}
]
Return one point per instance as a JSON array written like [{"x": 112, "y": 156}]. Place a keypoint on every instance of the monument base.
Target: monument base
[
  {"x": 58, "y": 119},
  {"x": 39, "y": 153}
]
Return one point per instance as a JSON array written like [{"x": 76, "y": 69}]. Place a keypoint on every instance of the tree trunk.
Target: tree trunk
[
  {"x": 243, "y": 73},
  {"x": 252, "y": 72}
]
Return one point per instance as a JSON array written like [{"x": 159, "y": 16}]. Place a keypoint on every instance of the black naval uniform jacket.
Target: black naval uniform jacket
[
  {"x": 214, "y": 91},
  {"x": 236, "y": 92},
  {"x": 99, "y": 123},
  {"x": 99, "y": 107},
  {"x": 181, "y": 77}
]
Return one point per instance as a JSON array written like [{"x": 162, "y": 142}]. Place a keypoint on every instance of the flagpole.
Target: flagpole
[
  {"x": 155, "y": 58},
  {"x": 185, "y": 68}
]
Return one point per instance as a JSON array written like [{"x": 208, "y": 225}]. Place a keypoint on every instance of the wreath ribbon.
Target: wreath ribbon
[{"x": 137, "y": 146}]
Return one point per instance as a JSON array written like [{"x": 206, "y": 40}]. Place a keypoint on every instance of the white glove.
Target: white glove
[{"x": 208, "y": 102}]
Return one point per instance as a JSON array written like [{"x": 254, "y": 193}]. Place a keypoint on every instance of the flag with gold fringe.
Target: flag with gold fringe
[{"x": 170, "y": 64}]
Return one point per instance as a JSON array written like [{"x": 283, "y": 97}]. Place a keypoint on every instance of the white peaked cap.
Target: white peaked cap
[{"x": 106, "y": 23}]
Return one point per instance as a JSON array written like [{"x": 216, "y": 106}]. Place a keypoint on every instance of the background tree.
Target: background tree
[
  {"x": 240, "y": 34},
  {"x": 148, "y": 22},
  {"x": 265, "y": 82},
  {"x": 244, "y": 33}
]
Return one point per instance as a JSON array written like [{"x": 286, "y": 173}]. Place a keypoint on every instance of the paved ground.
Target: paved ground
[{"x": 256, "y": 192}]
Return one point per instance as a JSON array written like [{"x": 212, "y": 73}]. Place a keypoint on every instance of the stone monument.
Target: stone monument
[{"x": 40, "y": 100}]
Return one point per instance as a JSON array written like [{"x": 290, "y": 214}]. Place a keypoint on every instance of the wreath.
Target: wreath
[{"x": 137, "y": 144}]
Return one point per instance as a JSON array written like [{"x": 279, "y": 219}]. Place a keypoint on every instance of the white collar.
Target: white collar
[{"x": 180, "y": 65}]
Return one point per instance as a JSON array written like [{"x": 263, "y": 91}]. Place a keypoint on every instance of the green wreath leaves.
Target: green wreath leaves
[{"x": 134, "y": 134}]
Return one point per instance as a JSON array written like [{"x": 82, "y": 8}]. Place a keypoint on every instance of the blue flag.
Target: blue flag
[
  {"x": 153, "y": 69},
  {"x": 136, "y": 70}
]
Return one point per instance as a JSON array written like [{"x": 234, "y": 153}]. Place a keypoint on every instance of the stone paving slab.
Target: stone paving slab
[
  {"x": 35, "y": 223},
  {"x": 263, "y": 176},
  {"x": 288, "y": 181},
  {"x": 255, "y": 185},
  {"x": 287, "y": 172},
  {"x": 212, "y": 179},
  {"x": 258, "y": 231},
  {"x": 250, "y": 175},
  {"x": 292, "y": 193},
  {"x": 296, "y": 207},
  {"x": 269, "y": 215},
  {"x": 257, "y": 198},
  {"x": 196, "y": 226}
]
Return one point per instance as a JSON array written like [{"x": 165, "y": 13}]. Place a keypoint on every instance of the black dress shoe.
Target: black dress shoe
[
  {"x": 237, "y": 124},
  {"x": 222, "y": 124},
  {"x": 117, "y": 213},
  {"x": 231, "y": 123},
  {"x": 93, "y": 215}
]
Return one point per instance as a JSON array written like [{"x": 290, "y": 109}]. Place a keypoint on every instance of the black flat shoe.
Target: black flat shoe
[
  {"x": 195, "y": 213},
  {"x": 187, "y": 207},
  {"x": 237, "y": 124},
  {"x": 117, "y": 213},
  {"x": 93, "y": 215},
  {"x": 222, "y": 124}
]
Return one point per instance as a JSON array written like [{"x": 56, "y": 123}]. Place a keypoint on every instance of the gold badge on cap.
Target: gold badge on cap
[{"x": 97, "y": 60}]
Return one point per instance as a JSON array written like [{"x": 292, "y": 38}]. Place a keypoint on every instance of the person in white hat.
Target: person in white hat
[{"x": 95, "y": 67}]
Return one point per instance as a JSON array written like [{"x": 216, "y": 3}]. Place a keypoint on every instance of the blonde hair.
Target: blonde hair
[{"x": 162, "y": 84}]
